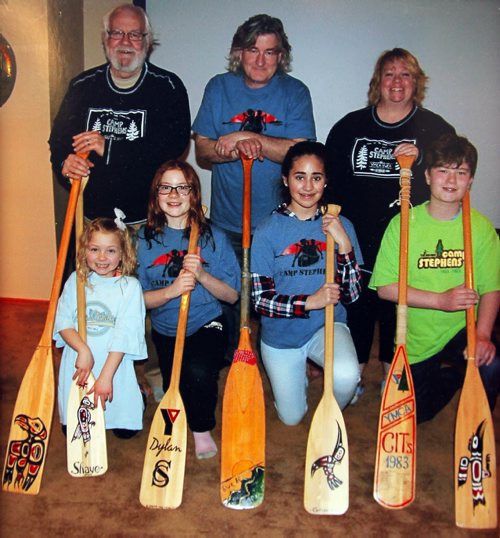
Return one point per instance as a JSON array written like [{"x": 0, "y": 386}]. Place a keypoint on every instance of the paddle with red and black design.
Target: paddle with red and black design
[
  {"x": 32, "y": 417},
  {"x": 475, "y": 472},
  {"x": 395, "y": 464},
  {"x": 162, "y": 481},
  {"x": 243, "y": 410}
]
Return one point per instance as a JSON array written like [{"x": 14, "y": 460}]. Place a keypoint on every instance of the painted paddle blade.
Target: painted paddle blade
[
  {"x": 395, "y": 465},
  {"x": 326, "y": 479},
  {"x": 243, "y": 431},
  {"x": 326, "y": 482},
  {"x": 30, "y": 429},
  {"x": 475, "y": 470},
  {"x": 475, "y": 473},
  {"x": 32, "y": 417},
  {"x": 85, "y": 433},
  {"x": 162, "y": 481}
]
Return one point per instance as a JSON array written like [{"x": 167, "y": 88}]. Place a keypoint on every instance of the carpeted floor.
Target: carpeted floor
[{"x": 109, "y": 505}]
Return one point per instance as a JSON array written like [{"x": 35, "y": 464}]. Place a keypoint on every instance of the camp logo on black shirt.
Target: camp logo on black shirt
[
  {"x": 375, "y": 157},
  {"x": 117, "y": 125}
]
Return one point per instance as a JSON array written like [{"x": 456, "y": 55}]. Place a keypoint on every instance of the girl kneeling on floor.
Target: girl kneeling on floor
[{"x": 288, "y": 285}]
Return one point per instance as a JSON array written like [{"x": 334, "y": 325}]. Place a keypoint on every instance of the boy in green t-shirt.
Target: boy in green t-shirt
[{"x": 437, "y": 296}]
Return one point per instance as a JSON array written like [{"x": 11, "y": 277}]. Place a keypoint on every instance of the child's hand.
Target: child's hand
[
  {"x": 102, "y": 390},
  {"x": 84, "y": 364},
  {"x": 485, "y": 350},
  {"x": 327, "y": 294},
  {"x": 193, "y": 263},
  {"x": 459, "y": 298},
  {"x": 186, "y": 281},
  {"x": 331, "y": 224}
]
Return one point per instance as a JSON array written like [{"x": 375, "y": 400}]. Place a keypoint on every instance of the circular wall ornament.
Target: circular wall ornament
[{"x": 7, "y": 70}]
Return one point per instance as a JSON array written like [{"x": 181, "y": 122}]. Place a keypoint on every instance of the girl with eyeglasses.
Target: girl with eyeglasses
[{"x": 166, "y": 271}]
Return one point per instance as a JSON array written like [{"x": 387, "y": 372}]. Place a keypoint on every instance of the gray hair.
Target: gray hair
[
  {"x": 149, "y": 40},
  {"x": 246, "y": 35}
]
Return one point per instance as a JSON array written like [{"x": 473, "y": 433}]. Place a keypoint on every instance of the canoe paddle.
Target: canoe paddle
[
  {"x": 165, "y": 460},
  {"x": 86, "y": 429},
  {"x": 32, "y": 417},
  {"x": 243, "y": 411},
  {"x": 326, "y": 483},
  {"x": 394, "y": 481},
  {"x": 475, "y": 471}
]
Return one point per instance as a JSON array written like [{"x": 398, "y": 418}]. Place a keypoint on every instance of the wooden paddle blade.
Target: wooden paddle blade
[
  {"x": 394, "y": 483},
  {"x": 32, "y": 417},
  {"x": 30, "y": 428},
  {"x": 162, "y": 481},
  {"x": 326, "y": 481},
  {"x": 475, "y": 472},
  {"x": 243, "y": 431},
  {"x": 475, "y": 457},
  {"x": 85, "y": 433}
]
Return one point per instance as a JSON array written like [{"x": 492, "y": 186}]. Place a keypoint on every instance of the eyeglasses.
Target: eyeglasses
[
  {"x": 183, "y": 190},
  {"x": 116, "y": 35}
]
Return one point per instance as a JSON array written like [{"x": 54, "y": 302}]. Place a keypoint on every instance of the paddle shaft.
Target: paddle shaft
[
  {"x": 183, "y": 318},
  {"x": 245, "y": 243},
  {"x": 405, "y": 163},
  {"x": 330, "y": 308},
  {"x": 469, "y": 277}
]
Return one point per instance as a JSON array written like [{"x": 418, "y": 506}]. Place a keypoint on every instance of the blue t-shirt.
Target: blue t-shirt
[
  {"x": 293, "y": 253},
  {"x": 160, "y": 265},
  {"x": 282, "y": 108}
]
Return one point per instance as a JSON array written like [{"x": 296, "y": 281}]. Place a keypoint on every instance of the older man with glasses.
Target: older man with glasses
[
  {"x": 128, "y": 113},
  {"x": 130, "y": 116}
]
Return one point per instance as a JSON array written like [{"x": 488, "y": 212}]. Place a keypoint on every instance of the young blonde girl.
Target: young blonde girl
[{"x": 115, "y": 312}]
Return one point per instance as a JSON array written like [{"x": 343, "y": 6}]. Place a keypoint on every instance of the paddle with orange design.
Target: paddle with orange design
[
  {"x": 475, "y": 475},
  {"x": 32, "y": 417},
  {"x": 395, "y": 464},
  {"x": 165, "y": 459},
  {"x": 243, "y": 411}
]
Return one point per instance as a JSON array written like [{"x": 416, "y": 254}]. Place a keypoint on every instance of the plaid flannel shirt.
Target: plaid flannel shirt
[{"x": 269, "y": 303}]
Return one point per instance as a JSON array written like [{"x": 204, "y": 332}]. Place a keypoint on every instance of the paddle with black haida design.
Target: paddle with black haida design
[
  {"x": 394, "y": 480},
  {"x": 475, "y": 471},
  {"x": 326, "y": 483}
]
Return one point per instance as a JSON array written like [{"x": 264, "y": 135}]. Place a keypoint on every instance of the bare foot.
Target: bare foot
[{"x": 204, "y": 445}]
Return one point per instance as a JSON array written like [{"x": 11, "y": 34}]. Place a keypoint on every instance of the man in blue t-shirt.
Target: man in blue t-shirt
[{"x": 255, "y": 109}]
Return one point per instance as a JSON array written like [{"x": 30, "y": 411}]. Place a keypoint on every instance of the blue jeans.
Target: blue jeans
[{"x": 286, "y": 369}]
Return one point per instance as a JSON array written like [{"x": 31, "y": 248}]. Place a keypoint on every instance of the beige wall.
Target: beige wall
[
  {"x": 27, "y": 224},
  {"x": 27, "y": 245}
]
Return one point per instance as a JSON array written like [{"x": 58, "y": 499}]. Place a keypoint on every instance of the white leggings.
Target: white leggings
[{"x": 286, "y": 369}]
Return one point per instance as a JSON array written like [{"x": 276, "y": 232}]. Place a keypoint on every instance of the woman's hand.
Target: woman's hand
[{"x": 406, "y": 148}]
